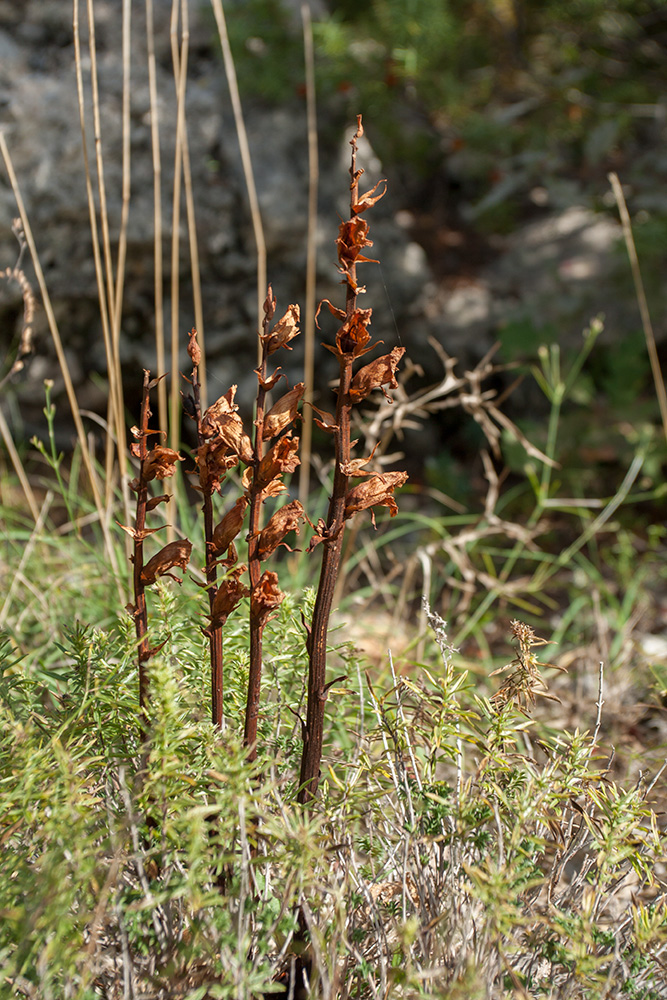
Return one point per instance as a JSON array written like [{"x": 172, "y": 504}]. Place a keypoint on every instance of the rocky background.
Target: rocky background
[{"x": 442, "y": 276}]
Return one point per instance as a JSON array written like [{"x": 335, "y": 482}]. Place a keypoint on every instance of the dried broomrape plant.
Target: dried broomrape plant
[
  {"x": 352, "y": 341},
  {"x": 157, "y": 463},
  {"x": 223, "y": 443}
]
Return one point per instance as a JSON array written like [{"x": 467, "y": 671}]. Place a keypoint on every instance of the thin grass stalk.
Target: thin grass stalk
[
  {"x": 641, "y": 298},
  {"x": 180, "y": 65},
  {"x": 311, "y": 256},
  {"x": 116, "y": 409},
  {"x": 158, "y": 280},
  {"x": 116, "y": 313},
  {"x": 103, "y": 273},
  {"x": 28, "y": 549},
  {"x": 258, "y": 230},
  {"x": 195, "y": 270},
  {"x": 62, "y": 361},
  {"x": 179, "y": 61}
]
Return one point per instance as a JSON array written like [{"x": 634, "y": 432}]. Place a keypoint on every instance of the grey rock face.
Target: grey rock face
[{"x": 558, "y": 268}]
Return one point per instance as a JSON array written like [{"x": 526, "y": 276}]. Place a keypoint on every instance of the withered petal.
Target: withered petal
[
  {"x": 283, "y": 412},
  {"x": 285, "y": 330},
  {"x": 266, "y": 596},
  {"x": 375, "y": 492},
  {"x": 229, "y": 527},
  {"x": 287, "y": 519},
  {"x": 176, "y": 553},
  {"x": 160, "y": 463},
  {"x": 376, "y": 375}
]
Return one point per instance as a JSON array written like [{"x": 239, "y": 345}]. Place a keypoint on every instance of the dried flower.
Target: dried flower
[
  {"x": 281, "y": 458},
  {"x": 175, "y": 553},
  {"x": 230, "y": 593},
  {"x": 160, "y": 463},
  {"x": 375, "y": 492},
  {"x": 286, "y": 329},
  {"x": 194, "y": 350},
  {"x": 287, "y": 519},
  {"x": 283, "y": 412},
  {"x": 376, "y": 375},
  {"x": 266, "y": 596},
  {"x": 229, "y": 526}
]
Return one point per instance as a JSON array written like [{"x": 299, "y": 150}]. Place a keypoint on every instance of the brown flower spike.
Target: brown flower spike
[{"x": 352, "y": 341}]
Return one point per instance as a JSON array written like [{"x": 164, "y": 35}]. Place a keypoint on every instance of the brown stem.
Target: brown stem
[
  {"x": 332, "y": 546},
  {"x": 140, "y": 611},
  {"x": 215, "y": 631},
  {"x": 256, "y": 496}
]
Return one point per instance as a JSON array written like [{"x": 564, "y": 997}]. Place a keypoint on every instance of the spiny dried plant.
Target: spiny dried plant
[
  {"x": 352, "y": 342},
  {"x": 157, "y": 463},
  {"x": 525, "y": 682}
]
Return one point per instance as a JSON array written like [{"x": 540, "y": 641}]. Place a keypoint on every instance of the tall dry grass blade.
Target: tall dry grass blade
[
  {"x": 64, "y": 367},
  {"x": 158, "y": 281},
  {"x": 18, "y": 466},
  {"x": 260, "y": 243},
  {"x": 102, "y": 272},
  {"x": 311, "y": 256},
  {"x": 104, "y": 275},
  {"x": 180, "y": 64},
  {"x": 195, "y": 270},
  {"x": 117, "y": 310},
  {"x": 641, "y": 298}
]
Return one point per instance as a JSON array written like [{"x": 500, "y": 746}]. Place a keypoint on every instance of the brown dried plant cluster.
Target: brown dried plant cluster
[{"x": 267, "y": 454}]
